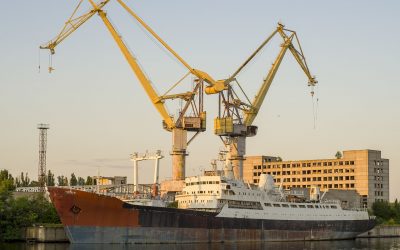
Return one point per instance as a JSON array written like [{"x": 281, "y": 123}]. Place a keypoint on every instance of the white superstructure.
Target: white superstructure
[{"x": 235, "y": 199}]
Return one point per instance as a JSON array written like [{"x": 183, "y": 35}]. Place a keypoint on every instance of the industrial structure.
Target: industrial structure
[
  {"x": 237, "y": 113},
  {"x": 214, "y": 207},
  {"x": 362, "y": 170},
  {"x": 192, "y": 117},
  {"x": 135, "y": 158},
  {"x": 42, "y": 154},
  {"x": 104, "y": 180}
]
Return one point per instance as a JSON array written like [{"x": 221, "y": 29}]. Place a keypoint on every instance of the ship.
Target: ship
[{"x": 210, "y": 208}]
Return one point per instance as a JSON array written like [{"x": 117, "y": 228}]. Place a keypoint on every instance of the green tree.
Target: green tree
[
  {"x": 34, "y": 184},
  {"x": 62, "y": 180},
  {"x": 6, "y": 181},
  {"x": 278, "y": 159},
  {"x": 23, "y": 212},
  {"x": 23, "y": 180},
  {"x": 81, "y": 181},
  {"x": 89, "y": 181},
  {"x": 338, "y": 155},
  {"x": 50, "y": 179},
  {"x": 383, "y": 210},
  {"x": 73, "y": 181}
]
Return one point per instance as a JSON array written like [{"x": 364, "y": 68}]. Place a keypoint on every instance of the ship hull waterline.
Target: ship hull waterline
[{"x": 92, "y": 218}]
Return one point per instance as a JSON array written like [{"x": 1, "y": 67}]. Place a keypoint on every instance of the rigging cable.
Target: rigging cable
[
  {"x": 39, "y": 61},
  {"x": 50, "y": 63},
  {"x": 313, "y": 105}
]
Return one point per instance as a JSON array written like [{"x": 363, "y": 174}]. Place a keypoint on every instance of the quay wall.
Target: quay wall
[
  {"x": 45, "y": 234},
  {"x": 382, "y": 231}
]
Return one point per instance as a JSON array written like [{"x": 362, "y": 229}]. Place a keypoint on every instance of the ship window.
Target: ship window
[
  {"x": 302, "y": 206},
  {"x": 268, "y": 204},
  {"x": 277, "y": 205},
  {"x": 334, "y": 207},
  {"x": 285, "y": 205},
  {"x": 292, "y": 205},
  {"x": 310, "y": 206}
]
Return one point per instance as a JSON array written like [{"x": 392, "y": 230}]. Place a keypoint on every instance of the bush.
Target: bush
[
  {"x": 386, "y": 213},
  {"x": 16, "y": 214}
]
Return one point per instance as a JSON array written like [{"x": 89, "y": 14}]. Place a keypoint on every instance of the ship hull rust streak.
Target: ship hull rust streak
[{"x": 93, "y": 218}]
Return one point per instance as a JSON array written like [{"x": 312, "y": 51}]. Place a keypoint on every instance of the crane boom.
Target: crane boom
[
  {"x": 200, "y": 74},
  {"x": 258, "y": 100},
  {"x": 238, "y": 116},
  {"x": 251, "y": 114},
  {"x": 144, "y": 81},
  {"x": 193, "y": 120},
  {"x": 71, "y": 25}
]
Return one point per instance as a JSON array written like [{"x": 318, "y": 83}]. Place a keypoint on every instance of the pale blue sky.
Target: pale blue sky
[{"x": 99, "y": 114}]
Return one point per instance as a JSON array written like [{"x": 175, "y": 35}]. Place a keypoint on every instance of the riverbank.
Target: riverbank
[
  {"x": 45, "y": 233},
  {"x": 382, "y": 231}
]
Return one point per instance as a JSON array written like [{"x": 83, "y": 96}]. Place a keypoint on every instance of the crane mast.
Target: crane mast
[
  {"x": 236, "y": 115},
  {"x": 193, "y": 99}
]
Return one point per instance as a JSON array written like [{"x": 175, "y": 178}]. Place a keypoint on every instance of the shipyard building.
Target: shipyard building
[{"x": 364, "y": 171}]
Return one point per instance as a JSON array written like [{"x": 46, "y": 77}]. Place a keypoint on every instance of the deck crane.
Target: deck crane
[
  {"x": 236, "y": 114},
  {"x": 193, "y": 100}
]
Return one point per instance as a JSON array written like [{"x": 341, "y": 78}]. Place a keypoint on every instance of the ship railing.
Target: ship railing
[
  {"x": 335, "y": 202},
  {"x": 356, "y": 209}
]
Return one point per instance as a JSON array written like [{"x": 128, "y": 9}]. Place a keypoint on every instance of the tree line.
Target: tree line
[
  {"x": 386, "y": 212},
  {"x": 17, "y": 213},
  {"x": 23, "y": 180}
]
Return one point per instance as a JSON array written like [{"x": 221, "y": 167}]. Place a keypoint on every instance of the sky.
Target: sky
[{"x": 99, "y": 114}]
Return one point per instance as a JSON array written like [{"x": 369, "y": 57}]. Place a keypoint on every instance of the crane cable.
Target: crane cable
[
  {"x": 154, "y": 40},
  {"x": 39, "y": 61},
  {"x": 314, "y": 107},
  {"x": 50, "y": 63}
]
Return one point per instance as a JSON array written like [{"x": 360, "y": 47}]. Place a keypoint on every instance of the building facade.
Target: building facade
[
  {"x": 364, "y": 171},
  {"x": 116, "y": 180}
]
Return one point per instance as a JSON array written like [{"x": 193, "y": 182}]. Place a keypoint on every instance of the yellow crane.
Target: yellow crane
[
  {"x": 193, "y": 99},
  {"x": 236, "y": 115}
]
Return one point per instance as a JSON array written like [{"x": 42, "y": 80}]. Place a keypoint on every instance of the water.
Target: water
[{"x": 374, "y": 243}]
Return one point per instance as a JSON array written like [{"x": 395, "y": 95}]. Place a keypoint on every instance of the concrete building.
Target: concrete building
[
  {"x": 116, "y": 180},
  {"x": 361, "y": 170}
]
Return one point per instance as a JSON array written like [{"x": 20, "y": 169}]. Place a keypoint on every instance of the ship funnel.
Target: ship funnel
[{"x": 266, "y": 182}]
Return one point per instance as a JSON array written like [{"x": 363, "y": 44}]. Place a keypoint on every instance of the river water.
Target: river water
[{"x": 373, "y": 243}]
